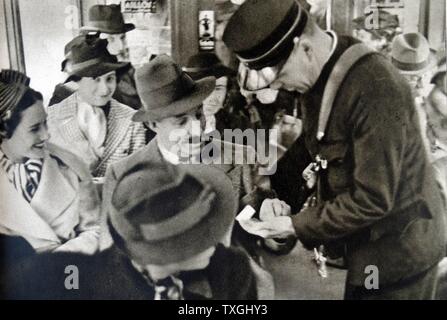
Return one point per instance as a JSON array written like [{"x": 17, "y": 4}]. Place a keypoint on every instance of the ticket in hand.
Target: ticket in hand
[{"x": 246, "y": 214}]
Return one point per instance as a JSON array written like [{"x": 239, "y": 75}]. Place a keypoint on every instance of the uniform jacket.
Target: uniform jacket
[
  {"x": 249, "y": 187},
  {"x": 64, "y": 212},
  {"x": 123, "y": 135},
  {"x": 110, "y": 275},
  {"x": 378, "y": 196}
]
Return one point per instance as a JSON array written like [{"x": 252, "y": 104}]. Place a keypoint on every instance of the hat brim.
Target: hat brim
[
  {"x": 430, "y": 65},
  {"x": 126, "y": 28},
  {"x": 271, "y": 50},
  {"x": 207, "y": 233},
  {"x": 217, "y": 72},
  {"x": 98, "y": 70},
  {"x": 201, "y": 91},
  {"x": 438, "y": 76}
]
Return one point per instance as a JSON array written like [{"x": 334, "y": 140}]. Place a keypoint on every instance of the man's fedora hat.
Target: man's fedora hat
[
  {"x": 261, "y": 32},
  {"x": 90, "y": 58},
  {"x": 411, "y": 53},
  {"x": 107, "y": 19},
  {"x": 207, "y": 64},
  {"x": 13, "y": 86},
  {"x": 166, "y": 213},
  {"x": 166, "y": 90}
]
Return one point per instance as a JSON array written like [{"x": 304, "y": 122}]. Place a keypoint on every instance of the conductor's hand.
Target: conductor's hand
[
  {"x": 275, "y": 227},
  {"x": 272, "y": 208}
]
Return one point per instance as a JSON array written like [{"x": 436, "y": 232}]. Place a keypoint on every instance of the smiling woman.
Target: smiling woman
[
  {"x": 26, "y": 131},
  {"x": 90, "y": 122},
  {"x": 48, "y": 197},
  {"x": 98, "y": 91}
]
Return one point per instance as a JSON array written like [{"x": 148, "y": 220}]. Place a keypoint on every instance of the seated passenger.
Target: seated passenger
[
  {"x": 48, "y": 197},
  {"x": 90, "y": 122},
  {"x": 437, "y": 122}
]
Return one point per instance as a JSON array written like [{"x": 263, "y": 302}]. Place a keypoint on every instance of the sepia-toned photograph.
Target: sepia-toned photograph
[{"x": 251, "y": 150}]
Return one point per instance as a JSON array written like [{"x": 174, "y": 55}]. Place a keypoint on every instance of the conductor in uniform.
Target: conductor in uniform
[{"x": 375, "y": 198}]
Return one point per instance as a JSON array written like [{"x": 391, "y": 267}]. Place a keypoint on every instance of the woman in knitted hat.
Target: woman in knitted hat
[
  {"x": 48, "y": 197},
  {"x": 90, "y": 122}
]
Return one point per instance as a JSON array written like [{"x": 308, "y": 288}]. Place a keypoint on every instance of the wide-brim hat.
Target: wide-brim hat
[
  {"x": 207, "y": 64},
  {"x": 107, "y": 19},
  {"x": 167, "y": 91},
  {"x": 90, "y": 58},
  {"x": 411, "y": 54},
  {"x": 166, "y": 213},
  {"x": 265, "y": 38}
]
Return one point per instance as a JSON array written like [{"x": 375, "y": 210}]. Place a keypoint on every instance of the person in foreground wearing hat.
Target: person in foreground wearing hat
[
  {"x": 90, "y": 122},
  {"x": 379, "y": 34},
  {"x": 172, "y": 108},
  {"x": 48, "y": 196},
  {"x": 168, "y": 223},
  {"x": 376, "y": 197}
]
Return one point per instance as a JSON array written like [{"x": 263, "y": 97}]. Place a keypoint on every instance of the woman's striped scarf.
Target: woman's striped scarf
[{"x": 24, "y": 176}]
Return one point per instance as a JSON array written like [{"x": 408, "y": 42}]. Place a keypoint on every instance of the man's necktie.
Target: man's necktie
[{"x": 170, "y": 288}]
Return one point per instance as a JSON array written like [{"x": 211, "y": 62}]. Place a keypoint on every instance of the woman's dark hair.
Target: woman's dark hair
[
  {"x": 119, "y": 74},
  {"x": 8, "y": 126}
]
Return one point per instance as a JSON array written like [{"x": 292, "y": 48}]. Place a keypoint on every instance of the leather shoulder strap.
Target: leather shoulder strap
[{"x": 349, "y": 58}]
